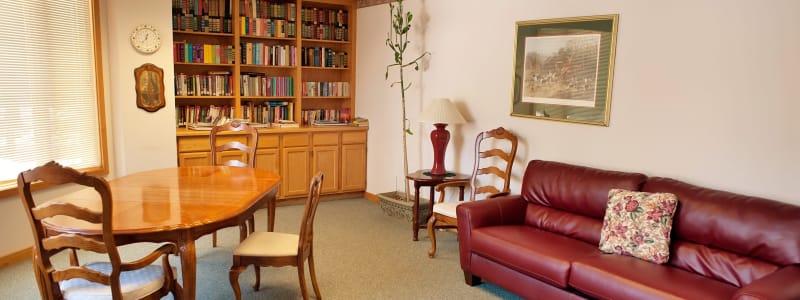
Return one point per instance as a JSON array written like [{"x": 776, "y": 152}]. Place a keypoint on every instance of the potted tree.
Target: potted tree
[{"x": 398, "y": 203}]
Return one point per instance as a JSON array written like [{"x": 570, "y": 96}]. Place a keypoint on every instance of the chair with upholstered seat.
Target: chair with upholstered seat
[
  {"x": 109, "y": 278},
  {"x": 234, "y": 153},
  {"x": 488, "y": 150},
  {"x": 275, "y": 249}
]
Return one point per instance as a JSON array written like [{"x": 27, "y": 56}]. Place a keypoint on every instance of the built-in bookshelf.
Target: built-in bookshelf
[{"x": 264, "y": 61}]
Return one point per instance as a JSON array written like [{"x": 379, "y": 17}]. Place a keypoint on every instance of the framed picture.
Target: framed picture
[
  {"x": 149, "y": 87},
  {"x": 563, "y": 69}
]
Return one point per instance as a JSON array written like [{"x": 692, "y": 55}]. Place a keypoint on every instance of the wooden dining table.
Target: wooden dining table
[{"x": 177, "y": 205}]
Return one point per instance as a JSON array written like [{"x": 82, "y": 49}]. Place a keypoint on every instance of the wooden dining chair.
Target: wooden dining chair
[
  {"x": 237, "y": 154},
  {"x": 488, "y": 150},
  {"x": 275, "y": 249},
  {"x": 107, "y": 278}
]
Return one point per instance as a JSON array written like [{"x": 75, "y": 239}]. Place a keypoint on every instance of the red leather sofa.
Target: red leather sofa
[{"x": 543, "y": 243}]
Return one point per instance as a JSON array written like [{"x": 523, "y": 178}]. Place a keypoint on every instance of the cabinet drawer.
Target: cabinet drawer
[
  {"x": 295, "y": 140},
  {"x": 326, "y": 138},
  {"x": 354, "y": 137},
  {"x": 267, "y": 141},
  {"x": 194, "y": 144}
]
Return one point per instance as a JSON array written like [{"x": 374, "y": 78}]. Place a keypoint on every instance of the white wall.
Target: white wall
[
  {"x": 701, "y": 93},
  {"x": 143, "y": 140}
]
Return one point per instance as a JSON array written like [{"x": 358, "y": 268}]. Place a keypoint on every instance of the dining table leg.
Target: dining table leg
[{"x": 188, "y": 254}]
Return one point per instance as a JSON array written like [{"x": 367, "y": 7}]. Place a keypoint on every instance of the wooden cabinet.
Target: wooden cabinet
[
  {"x": 296, "y": 154},
  {"x": 265, "y": 61}
]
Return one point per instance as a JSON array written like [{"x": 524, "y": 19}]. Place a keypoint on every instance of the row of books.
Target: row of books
[
  {"x": 194, "y": 114},
  {"x": 325, "y": 116},
  {"x": 259, "y": 84},
  {"x": 270, "y": 55},
  {"x": 323, "y": 57},
  {"x": 267, "y": 27},
  {"x": 268, "y": 9},
  {"x": 268, "y": 112},
  {"x": 317, "y": 15},
  {"x": 215, "y": 83},
  {"x": 203, "y": 53},
  {"x": 220, "y": 83},
  {"x": 202, "y": 15},
  {"x": 324, "y": 32},
  {"x": 326, "y": 89}
]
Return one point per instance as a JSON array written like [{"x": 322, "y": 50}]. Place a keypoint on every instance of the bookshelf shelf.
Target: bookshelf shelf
[
  {"x": 316, "y": 41},
  {"x": 268, "y": 38},
  {"x": 201, "y": 33}
]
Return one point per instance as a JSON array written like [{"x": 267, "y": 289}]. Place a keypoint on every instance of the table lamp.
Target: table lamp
[{"x": 440, "y": 112}]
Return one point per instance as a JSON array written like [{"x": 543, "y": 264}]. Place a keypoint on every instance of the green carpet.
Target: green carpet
[{"x": 360, "y": 254}]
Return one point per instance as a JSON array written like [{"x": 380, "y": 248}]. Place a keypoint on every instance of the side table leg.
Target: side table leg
[{"x": 415, "y": 221}]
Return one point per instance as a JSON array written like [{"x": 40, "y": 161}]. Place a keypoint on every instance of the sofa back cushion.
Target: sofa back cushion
[
  {"x": 569, "y": 199},
  {"x": 731, "y": 237}
]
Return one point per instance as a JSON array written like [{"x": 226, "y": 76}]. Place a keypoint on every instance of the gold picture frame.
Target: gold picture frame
[
  {"x": 149, "y": 87},
  {"x": 564, "y": 68}
]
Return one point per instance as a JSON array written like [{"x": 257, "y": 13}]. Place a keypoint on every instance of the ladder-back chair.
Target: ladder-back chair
[
  {"x": 109, "y": 278},
  {"x": 237, "y": 154}
]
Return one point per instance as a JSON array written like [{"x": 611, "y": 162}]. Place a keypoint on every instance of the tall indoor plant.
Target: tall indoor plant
[{"x": 397, "y": 41}]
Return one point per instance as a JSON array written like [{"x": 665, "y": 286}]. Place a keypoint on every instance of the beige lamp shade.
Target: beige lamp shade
[{"x": 441, "y": 111}]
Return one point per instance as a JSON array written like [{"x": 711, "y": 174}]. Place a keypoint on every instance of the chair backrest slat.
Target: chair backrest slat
[
  {"x": 248, "y": 150},
  {"x": 66, "y": 240},
  {"x": 69, "y": 209}
]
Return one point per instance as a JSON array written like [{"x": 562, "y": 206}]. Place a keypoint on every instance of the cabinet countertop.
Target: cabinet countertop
[{"x": 188, "y": 132}]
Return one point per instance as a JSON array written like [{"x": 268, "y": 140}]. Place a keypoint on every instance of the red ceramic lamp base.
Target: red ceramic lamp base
[{"x": 439, "y": 138}]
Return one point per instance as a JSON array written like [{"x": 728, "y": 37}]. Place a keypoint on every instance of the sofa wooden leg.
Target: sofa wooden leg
[{"x": 470, "y": 279}]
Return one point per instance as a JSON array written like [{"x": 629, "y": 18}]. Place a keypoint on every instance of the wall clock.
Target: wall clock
[{"x": 145, "y": 39}]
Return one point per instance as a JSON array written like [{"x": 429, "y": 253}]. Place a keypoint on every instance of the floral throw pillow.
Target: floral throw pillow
[{"x": 638, "y": 224}]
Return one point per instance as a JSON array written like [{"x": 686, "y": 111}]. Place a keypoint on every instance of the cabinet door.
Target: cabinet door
[
  {"x": 194, "y": 159},
  {"x": 268, "y": 159},
  {"x": 326, "y": 159},
  {"x": 295, "y": 169},
  {"x": 354, "y": 167}
]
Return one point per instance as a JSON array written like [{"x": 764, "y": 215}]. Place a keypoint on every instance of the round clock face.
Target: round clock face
[{"x": 145, "y": 39}]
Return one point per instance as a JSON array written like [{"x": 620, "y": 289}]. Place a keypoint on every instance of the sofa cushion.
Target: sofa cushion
[
  {"x": 535, "y": 252},
  {"x": 725, "y": 266},
  {"x": 564, "y": 223},
  {"x": 735, "y": 238},
  {"x": 638, "y": 224},
  {"x": 746, "y": 225},
  {"x": 577, "y": 189},
  {"x": 624, "y": 277}
]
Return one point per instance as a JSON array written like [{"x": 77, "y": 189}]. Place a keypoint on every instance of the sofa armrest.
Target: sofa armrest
[
  {"x": 781, "y": 284},
  {"x": 490, "y": 212},
  {"x": 504, "y": 210}
]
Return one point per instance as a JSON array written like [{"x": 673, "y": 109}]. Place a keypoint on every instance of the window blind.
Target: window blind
[{"x": 49, "y": 97}]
